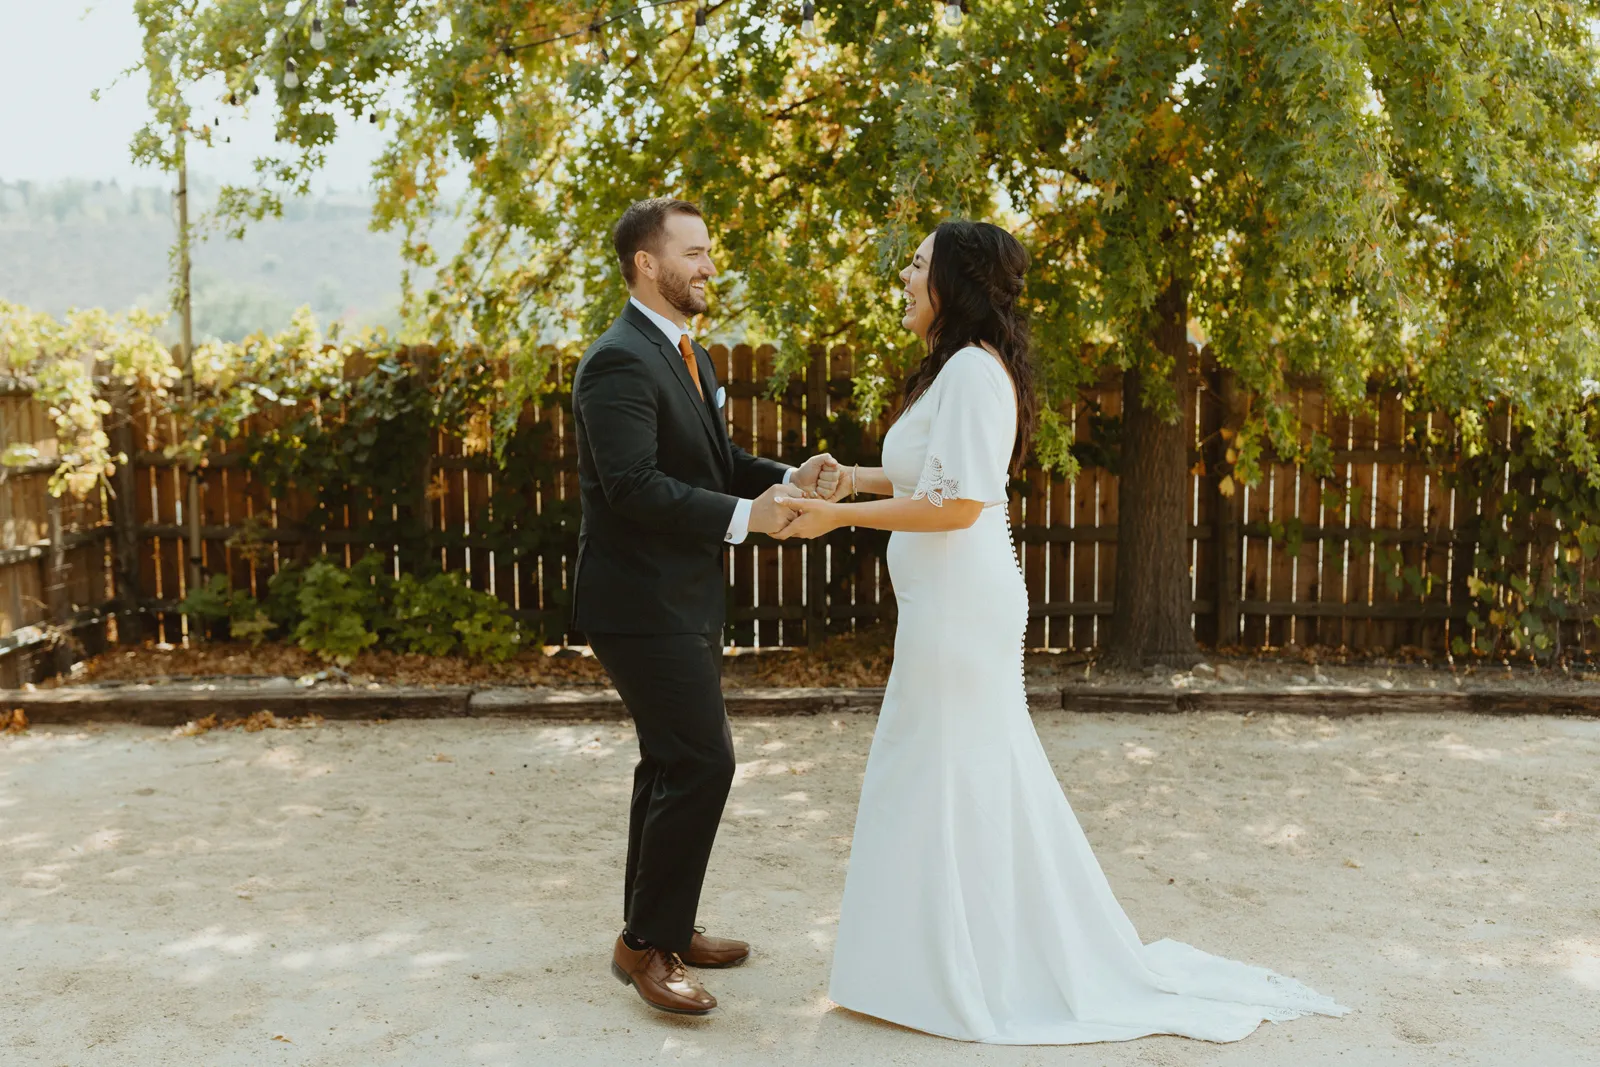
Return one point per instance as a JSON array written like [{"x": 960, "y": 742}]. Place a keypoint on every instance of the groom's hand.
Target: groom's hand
[
  {"x": 818, "y": 477},
  {"x": 769, "y": 517}
]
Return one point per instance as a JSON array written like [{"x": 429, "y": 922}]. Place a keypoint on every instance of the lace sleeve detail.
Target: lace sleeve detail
[{"x": 935, "y": 485}]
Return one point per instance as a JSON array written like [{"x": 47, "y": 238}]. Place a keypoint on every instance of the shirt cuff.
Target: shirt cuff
[
  {"x": 787, "y": 475},
  {"x": 739, "y": 525}
]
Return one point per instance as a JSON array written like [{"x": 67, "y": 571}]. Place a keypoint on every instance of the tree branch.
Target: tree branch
[{"x": 1397, "y": 27}]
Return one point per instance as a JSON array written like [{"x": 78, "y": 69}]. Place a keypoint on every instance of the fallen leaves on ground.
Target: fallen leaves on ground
[
  {"x": 859, "y": 659},
  {"x": 851, "y": 660},
  {"x": 847, "y": 661},
  {"x": 257, "y": 721},
  {"x": 14, "y": 721},
  {"x": 225, "y": 659}
]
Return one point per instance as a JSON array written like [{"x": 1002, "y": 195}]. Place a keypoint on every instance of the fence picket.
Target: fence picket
[{"x": 1331, "y": 591}]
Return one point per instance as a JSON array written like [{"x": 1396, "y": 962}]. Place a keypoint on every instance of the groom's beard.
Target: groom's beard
[{"x": 675, "y": 291}]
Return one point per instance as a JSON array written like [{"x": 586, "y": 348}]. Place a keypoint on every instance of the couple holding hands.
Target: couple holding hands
[{"x": 974, "y": 907}]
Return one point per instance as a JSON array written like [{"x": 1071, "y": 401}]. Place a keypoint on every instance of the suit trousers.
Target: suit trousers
[{"x": 671, "y": 685}]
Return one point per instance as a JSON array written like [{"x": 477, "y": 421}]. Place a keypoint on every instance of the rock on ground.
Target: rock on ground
[{"x": 445, "y": 892}]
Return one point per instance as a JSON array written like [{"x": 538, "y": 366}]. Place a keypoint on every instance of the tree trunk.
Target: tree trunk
[{"x": 1151, "y": 621}]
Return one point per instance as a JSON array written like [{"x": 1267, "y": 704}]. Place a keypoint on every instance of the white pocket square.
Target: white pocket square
[{"x": 722, "y": 397}]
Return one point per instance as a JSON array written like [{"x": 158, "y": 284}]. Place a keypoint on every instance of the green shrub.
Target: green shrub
[
  {"x": 283, "y": 597},
  {"x": 217, "y": 602},
  {"x": 335, "y": 610},
  {"x": 338, "y": 612},
  {"x": 440, "y": 614}
]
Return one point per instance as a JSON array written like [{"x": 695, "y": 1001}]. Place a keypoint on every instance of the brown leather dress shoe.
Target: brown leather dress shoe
[
  {"x": 715, "y": 951},
  {"x": 660, "y": 980}
]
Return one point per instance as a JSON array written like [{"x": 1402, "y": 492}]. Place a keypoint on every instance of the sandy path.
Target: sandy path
[{"x": 445, "y": 892}]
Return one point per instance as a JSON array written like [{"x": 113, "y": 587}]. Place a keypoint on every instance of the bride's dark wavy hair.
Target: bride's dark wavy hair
[{"x": 975, "y": 282}]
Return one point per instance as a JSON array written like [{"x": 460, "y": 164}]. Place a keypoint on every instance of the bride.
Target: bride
[{"x": 974, "y": 907}]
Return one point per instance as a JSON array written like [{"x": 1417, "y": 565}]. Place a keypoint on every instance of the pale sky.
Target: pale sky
[{"x": 54, "y": 53}]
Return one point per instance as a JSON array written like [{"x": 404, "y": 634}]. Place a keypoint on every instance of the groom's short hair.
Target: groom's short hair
[{"x": 643, "y": 225}]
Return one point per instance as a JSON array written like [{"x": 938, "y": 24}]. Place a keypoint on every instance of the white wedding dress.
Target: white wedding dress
[{"x": 974, "y": 907}]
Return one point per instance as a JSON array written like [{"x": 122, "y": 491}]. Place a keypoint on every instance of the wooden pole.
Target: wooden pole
[{"x": 192, "y": 504}]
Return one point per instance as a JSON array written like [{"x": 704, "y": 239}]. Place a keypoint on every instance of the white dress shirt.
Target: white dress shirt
[{"x": 739, "y": 525}]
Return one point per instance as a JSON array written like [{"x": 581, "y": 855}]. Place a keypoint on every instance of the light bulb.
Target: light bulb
[
  {"x": 352, "y": 14},
  {"x": 808, "y": 19},
  {"x": 952, "y": 14},
  {"x": 699, "y": 23},
  {"x": 319, "y": 40},
  {"x": 291, "y": 80}
]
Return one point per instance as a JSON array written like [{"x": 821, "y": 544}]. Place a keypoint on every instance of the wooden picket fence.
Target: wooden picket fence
[
  {"x": 56, "y": 585},
  {"x": 1279, "y": 564}
]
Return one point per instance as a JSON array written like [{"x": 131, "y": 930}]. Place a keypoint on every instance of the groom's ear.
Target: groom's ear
[{"x": 644, "y": 265}]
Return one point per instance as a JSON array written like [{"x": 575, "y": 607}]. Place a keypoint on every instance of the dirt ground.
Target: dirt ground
[
  {"x": 858, "y": 659},
  {"x": 445, "y": 892}
]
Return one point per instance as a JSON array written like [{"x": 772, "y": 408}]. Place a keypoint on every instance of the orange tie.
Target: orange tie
[{"x": 687, "y": 349}]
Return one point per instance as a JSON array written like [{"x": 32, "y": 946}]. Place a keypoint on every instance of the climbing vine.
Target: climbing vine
[
  {"x": 63, "y": 358},
  {"x": 1537, "y": 535}
]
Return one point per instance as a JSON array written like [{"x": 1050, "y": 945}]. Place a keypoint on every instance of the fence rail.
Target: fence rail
[{"x": 1297, "y": 559}]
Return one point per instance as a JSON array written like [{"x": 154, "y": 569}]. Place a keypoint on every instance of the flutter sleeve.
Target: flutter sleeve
[{"x": 973, "y": 429}]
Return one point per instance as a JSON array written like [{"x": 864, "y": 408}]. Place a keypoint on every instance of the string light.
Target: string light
[
  {"x": 352, "y": 14},
  {"x": 319, "y": 40},
  {"x": 952, "y": 13},
  {"x": 699, "y": 23},
  {"x": 808, "y": 19},
  {"x": 291, "y": 79}
]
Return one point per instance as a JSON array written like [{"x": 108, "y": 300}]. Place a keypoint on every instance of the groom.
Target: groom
[{"x": 663, "y": 491}]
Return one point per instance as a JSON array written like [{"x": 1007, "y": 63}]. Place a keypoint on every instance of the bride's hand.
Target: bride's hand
[{"x": 812, "y": 517}]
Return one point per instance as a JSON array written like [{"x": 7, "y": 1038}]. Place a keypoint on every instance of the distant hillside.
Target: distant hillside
[{"x": 93, "y": 244}]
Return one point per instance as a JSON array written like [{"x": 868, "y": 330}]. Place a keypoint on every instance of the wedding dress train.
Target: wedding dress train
[{"x": 974, "y": 907}]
